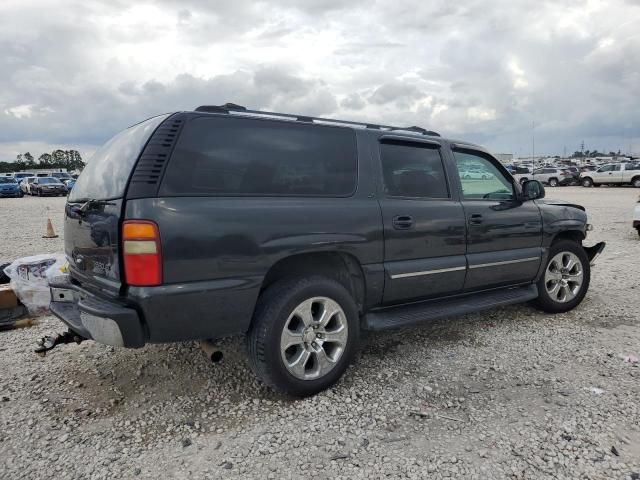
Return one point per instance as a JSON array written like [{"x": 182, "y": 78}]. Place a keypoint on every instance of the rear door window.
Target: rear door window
[
  {"x": 240, "y": 156},
  {"x": 412, "y": 170},
  {"x": 107, "y": 172}
]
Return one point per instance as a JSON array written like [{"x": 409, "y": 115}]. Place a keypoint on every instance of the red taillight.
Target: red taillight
[{"x": 141, "y": 253}]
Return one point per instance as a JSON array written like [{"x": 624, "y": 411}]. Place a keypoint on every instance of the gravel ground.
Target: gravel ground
[{"x": 511, "y": 393}]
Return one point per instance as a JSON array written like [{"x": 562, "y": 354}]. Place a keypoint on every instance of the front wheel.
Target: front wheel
[
  {"x": 587, "y": 182},
  {"x": 565, "y": 279},
  {"x": 553, "y": 182},
  {"x": 304, "y": 335}
]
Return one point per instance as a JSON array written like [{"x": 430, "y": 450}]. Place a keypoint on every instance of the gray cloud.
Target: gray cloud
[{"x": 485, "y": 71}]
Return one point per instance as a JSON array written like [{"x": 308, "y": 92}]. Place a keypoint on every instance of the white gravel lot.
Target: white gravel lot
[{"x": 511, "y": 393}]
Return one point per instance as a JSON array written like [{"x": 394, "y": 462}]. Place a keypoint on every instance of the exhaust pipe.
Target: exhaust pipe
[{"x": 211, "y": 350}]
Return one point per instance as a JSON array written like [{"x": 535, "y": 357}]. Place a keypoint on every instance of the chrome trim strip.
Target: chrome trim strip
[
  {"x": 427, "y": 272},
  {"x": 506, "y": 262}
]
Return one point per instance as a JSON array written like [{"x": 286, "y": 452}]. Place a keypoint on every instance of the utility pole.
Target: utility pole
[{"x": 533, "y": 144}]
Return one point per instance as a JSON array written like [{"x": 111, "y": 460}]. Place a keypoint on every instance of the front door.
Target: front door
[
  {"x": 424, "y": 223},
  {"x": 504, "y": 235},
  {"x": 608, "y": 174}
]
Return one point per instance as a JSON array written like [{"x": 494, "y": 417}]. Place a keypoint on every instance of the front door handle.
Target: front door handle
[
  {"x": 475, "y": 219},
  {"x": 403, "y": 222}
]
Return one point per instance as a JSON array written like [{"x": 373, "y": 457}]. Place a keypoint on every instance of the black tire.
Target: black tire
[
  {"x": 545, "y": 301},
  {"x": 635, "y": 182},
  {"x": 274, "y": 307},
  {"x": 553, "y": 182},
  {"x": 587, "y": 182},
  {"x": 522, "y": 180}
]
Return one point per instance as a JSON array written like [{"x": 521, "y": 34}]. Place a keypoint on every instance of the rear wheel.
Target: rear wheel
[
  {"x": 566, "y": 277},
  {"x": 304, "y": 335},
  {"x": 553, "y": 182},
  {"x": 636, "y": 182}
]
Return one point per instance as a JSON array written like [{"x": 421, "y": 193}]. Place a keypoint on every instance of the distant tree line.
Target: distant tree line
[
  {"x": 69, "y": 159},
  {"x": 593, "y": 154}
]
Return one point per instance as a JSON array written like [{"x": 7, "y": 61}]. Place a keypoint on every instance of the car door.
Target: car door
[
  {"x": 423, "y": 221},
  {"x": 616, "y": 174},
  {"x": 607, "y": 174},
  {"x": 504, "y": 235}
]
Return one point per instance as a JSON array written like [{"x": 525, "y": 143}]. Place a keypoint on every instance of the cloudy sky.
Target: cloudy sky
[{"x": 74, "y": 72}]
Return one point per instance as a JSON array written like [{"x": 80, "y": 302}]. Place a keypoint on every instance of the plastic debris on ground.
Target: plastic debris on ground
[{"x": 30, "y": 277}]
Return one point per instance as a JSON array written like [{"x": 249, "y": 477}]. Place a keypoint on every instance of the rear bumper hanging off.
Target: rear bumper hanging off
[{"x": 96, "y": 318}]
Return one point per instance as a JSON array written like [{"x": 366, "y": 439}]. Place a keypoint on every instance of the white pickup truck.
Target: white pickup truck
[{"x": 612, "y": 174}]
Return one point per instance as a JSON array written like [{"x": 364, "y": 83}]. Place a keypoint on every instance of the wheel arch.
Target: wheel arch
[
  {"x": 575, "y": 235},
  {"x": 340, "y": 266}
]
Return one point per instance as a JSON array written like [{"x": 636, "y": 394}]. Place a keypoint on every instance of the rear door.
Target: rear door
[
  {"x": 504, "y": 235},
  {"x": 424, "y": 224},
  {"x": 94, "y": 209}
]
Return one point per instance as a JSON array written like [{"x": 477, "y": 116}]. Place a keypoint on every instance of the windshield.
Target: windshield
[
  {"x": 48, "y": 180},
  {"x": 7, "y": 180},
  {"x": 106, "y": 174},
  {"x": 61, "y": 175}
]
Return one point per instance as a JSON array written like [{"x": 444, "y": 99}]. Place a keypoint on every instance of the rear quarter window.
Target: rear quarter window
[
  {"x": 239, "y": 156},
  {"x": 107, "y": 172}
]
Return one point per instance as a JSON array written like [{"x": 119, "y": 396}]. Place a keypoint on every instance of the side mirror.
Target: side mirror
[{"x": 532, "y": 190}]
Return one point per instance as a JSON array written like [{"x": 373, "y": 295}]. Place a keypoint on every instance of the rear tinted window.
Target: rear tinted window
[
  {"x": 106, "y": 174},
  {"x": 238, "y": 156},
  {"x": 412, "y": 170}
]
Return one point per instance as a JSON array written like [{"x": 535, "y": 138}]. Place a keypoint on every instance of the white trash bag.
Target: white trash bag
[{"x": 30, "y": 277}]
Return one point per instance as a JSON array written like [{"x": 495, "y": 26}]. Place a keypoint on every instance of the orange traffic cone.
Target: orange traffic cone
[{"x": 50, "y": 232}]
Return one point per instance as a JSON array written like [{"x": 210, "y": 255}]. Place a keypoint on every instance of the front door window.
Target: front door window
[{"x": 481, "y": 179}]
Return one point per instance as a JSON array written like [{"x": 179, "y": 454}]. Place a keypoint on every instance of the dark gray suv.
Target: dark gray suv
[{"x": 301, "y": 232}]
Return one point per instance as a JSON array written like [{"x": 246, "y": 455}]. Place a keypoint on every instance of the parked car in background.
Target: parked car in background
[
  {"x": 43, "y": 186},
  {"x": 300, "y": 234},
  {"x": 19, "y": 176},
  {"x": 575, "y": 174},
  {"x": 61, "y": 175},
  {"x": 474, "y": 173},
  {"x": 522, "y": 174},
  {"x": 613, "y": 174},
  {"x": 9, "y": 187},
  {"x": 552, "y": 176},
  {"x": 69, "y": 183},
  {"x": 25, "y": 184}
]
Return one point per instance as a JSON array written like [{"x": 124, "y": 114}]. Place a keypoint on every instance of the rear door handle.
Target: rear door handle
[
  {"x": 402, "y": 222},
  {"x": 475, "y": 219}
]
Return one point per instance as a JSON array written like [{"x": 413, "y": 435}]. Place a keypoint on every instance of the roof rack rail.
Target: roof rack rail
[{"x": 232, "y": 107}]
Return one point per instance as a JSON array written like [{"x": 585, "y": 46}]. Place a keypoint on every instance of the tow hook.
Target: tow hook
[{"x": 49, "y": 343}]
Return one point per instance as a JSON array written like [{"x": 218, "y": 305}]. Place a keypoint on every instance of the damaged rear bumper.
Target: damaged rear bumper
[
  {"x": 92, "y": 317},
  {"x": 594, "y": 252}
]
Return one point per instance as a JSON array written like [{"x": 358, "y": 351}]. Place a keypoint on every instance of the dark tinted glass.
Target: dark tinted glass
[
  {"x": 48, "y": 180},
  {"x": 239, "y": 156},
  {"x": 633, "y": 166},
  {"x": 107, "y": 172},
  {"x": 7, "y": 180},
  {"x": 413, "y": 171}
]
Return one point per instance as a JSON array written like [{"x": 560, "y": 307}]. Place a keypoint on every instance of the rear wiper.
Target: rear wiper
[{"x": 92, "y": 202}]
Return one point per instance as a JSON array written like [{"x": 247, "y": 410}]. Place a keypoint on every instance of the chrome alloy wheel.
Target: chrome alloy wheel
[
  {"x": 314, "y": 338},
  {"x": 563, "y": 277}
]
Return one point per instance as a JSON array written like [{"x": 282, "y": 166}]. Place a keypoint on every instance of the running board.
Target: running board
[{"x": 416, "y": 313}]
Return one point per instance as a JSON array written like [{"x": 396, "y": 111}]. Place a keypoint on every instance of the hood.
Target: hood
[{"x": 559, "y": 203}]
